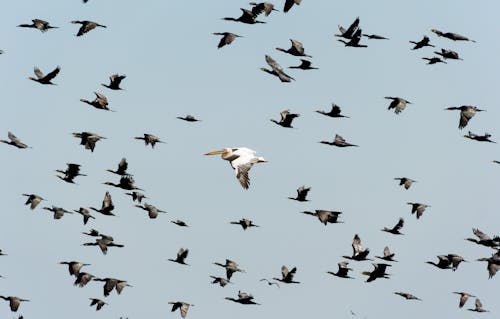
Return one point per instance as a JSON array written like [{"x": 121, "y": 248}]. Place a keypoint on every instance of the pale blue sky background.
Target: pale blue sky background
[{"x": 174, "y": 68}]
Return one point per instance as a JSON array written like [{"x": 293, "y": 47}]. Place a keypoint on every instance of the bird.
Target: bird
[
  {"x": 107, "y": 206},
  {"x": 98, "y": 303},
  {"x": 100, "y": 102},
  {"x": 221, "y": 281},
  {"x": 241, "y": 159},
  {"x": 14, "y": 141},
  {"x": 464, "y": 296},
  {"x": 246, "y": 17},
  {"x": 114, "y": 82},
  {"x": 398, "y": 104},
  {"x": 245, "y": 223},
  {"x": 375, "y": 37},
  {"x": 262, "y": 7},
  {"x": 325, "y": 216},
  {"x": 484, "y": 239},
  {"x": 339, "y": 141},
  {"x": 122, "y": 168},
  {"x": 83, "y": 279},
  {"x": 289, "y": 4},
  {"x": 104, "y": 242},
  {"x": 467, "y": 112},
  {"x": 112, "y": 283},
  {"x": 276, "y": 70},
  {"x": 152, "y": 210},
  {"x": 343, "y": 271},
  {"x": 181, "y": 256},
  {"x": 478, "y": 307},
  {"x": 58, "y": 211},
  {"x": 33, "y": 200},
  {"x": 86, "y": 26},
  {"x": 149, "y": 139},
  {"x": 72, "y": 171},
  {"x": 39, "y": 24},
  {"x": 179, "y": 222},
  {"x": 451, "y": 36},
  {"x": 405, "y": 181},
  {"x": 88, "y": 139},
  {"x": 74, "y": 267},
  {"x": 349, "y": 33},
  {"x": 137, "y": 196},
  {"x": 407, "y": 296},
  {"x": 14, "y": 302},
  {"x": 231, "y": 268},
  {"x": 85, "y": 213},
  {"x": 448, "y": 54},
  {"x": 480, "y": 138},
  {"x": 270, "y": 283},
  {"x": 286, "y": 119},
  {"x": 377, "y": 272},
  {"x": 302, "y": 192},
  {"x": 358, "y": 253},
  {"x": 418, "y": 208},
  {"x": 450, "y": 261},
  {"x": 388, "y": 256},
  {"x": 93, "y": 233},
  {"x": 287, "y": 275},
  {"x": 45, "y": 79},
  {"x": 126, "y": 182},
  {"x": 304, "y": 65},
  {"x": 396, "y": 229},
  {"x": 182, "y": 306},
  {"x": 493, "y": 263},
  {"x": 425, "y": 42},
  {"x": 188, "y": 118},
  {"x": 243, "y": 298},
  {"x": 354, "y": 40},
  {"x": 334, "y": 112},
  {"x": 434, "y": 60},
  {"x": 227, "y": 38},
  {"x": 297, "y": 49}
]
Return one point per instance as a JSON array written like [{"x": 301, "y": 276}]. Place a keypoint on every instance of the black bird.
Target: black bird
[
  {"x": 114, "y": 82},
  {"x": 398, "y": 104},
  {"x": 375, "y": 37},
  {"x": 262, "y": 7},
  {"x": 484, "y": 239},
  {"x": 243, "y": 298},
  {"x": 188, "y": 118},
  {"x": 425, "y": 42},
  {"x": 74, "y": 267},
  {"x": 72, "y": 171},
  {"x": 45, "y": 79},
  {"x": 106, "y": 207},
  {"x": 122, "y": 168},
  {"x": 286, "y": 119},
  {"x": 182, "y": 306},
  {"x": 434, "y": 60},
  {"x": 287, "y": 275},
  {"x": 113, "y": 283},
  {"x": 98, "y": 303},
  {"x": 297, "y": 49},
  {"x": 88, "y": 139},
  {"x": 39, "y": 24},
  {"x": 388, "y": 256},
  {"x": 149, "y": 139},
  {"x": 325, "y": 216},
  {"x": 270, "y": 283},
  {"x": 85, "y": 213},
  {"x": 86, "y": 26},
  {"x": 354, "y": 40},
  {"x": 395, "y": 230},
  {"x": 82, "y": 279},
  {"x": 104, "y": 242},
  {"x": 467, "y": 112},
  {"x": 180, "y": 223},
  {"x": 478, "y": 307},
  {"x": 405, "y": 181},
  {"x": 302, "y": 192},
  {"x": 493, "y": 263},
  {"x": 480, "y": 138},
  {"x": 33, "y": 200},
  {"x": 407, "y": 296},
  {"x": 14, "y": 141},
  {"x": 418, "y": 208},
  {"x": 358, "y": 253},
  {"x": 334, "y": 112},
  {"x": 451, "y": 36},
  {"x": 289, "y": 4},
  {"x": 100, "y": 102},
  {"x": 349, "y": 33},
  {"x": 343, "y": 271},
  {"x": 377, "y": 272},
  {"x": 450, "y": 261},
  {"x": 277, "y": 70},
  {"x": 448, "y": 54},
  {"x": 246, "y": 17},
  {"x": 137, "y": 196},
  {"x": 221, "y": 281},
  {"x": 244, "y": 223},
  {"x": 152, "y": 210},
  {"x": 339, "y": 141},
  {"x": 126, "y": 182},
  {"x": 227, "y": 38},
  {"x": 14, "y": 302},
  {"x": 304, "y": 65},
  {"x": 58, "y": 211},
  {"x": 231, "y": 268},
  {"x": 181, "y": 256}
]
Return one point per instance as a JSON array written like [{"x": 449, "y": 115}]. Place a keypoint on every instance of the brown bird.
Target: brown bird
[
  {"x": 33, "y": 200},
  {"x": 152, "y": 210},
  {"x": 407, "y": 296},
  {"x": 227, "y": 38},
  {"x": 286, "y": 119},
  {"x": 478, "y": 307},
  {"x": 85, "y": 213},
  {"x": 122, "y": 168},
  {"x": 467, "y": 112},
  {"x": 287, "y": 275},
  {"x": 343, "y": 271},
  {"x": 45, "y": 79},
  {"x": 262, "y": 7},
  {"x": 58, "y": 211},
  {"x": 289, "y": 4},
  {"x": 464, "y": 296},
  {"x": 493, "y": 263},
  {"x": 39, "y": 24},
  {"x": 100, "y": 303},
  {"x": 182, "y": 306},
  {"x": 451, "y": 36},
  {"x": 72, "y": 171},
  {"x": 114, "y": 82},
  {"x": 74, "y": 267},
  {"x": 243, "y": 298},
  {"x": 88, "y": 139},
  {"x": 418, "y": 208},
  {"x": 86, "y": 26},
  {"x": 107, "y": 206},
  {"x": 221, "y": 281},
  {"x": 149, "y": 139},
  {"x": 339, "y": 141},
  {"x": 244, "y": 223},
  {"x": 100, "y": 102},
  {"x": 14, "y": 141},
  {"x": 14, "y": 302},
  {"x": 395, "y": 230},
  {"x": 484, "y": 239},
  {"x": 181, "y": 256},
  {"x": 405, "y": 181},
  {"x": 137, "y": 196},
  {"x": 398, "y": 104},
  {"x": 448, "y": 54},
  {"x": 375, "y": 37},
  {"x": 83, "y": 279},
  {"x": 112, "y": 283},
  {"x": 358, "y": 253},
  {"x": 325, "y": 216},
  {"x": 246, "y": 17},
  {"x": 231, "y": 268},
  {"x": 276, "y": 70},
  {"x": 387, "y": 255},
  {"x": 104, "y": 242},
  {"x": 297, "y": 49}
]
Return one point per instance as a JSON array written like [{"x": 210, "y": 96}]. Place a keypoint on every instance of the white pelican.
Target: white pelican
[{"x": 241, "y": 160}]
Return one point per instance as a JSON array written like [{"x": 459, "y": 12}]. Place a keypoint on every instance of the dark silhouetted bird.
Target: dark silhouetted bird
[
  {"x": 339, "y": 141},
  {"x": 493, "y": 263},
  {"x": 325, "y": 216},
  {"x": 377, "y": 272},
  {"x": 221, "y": 281},
  {"x": 405, "y": 181},
  {"x": 448, "y": 54},
  {"x": 82, "y": 279},
  {"x": 58, "y": 211},
  {"x": 407, "y": 296},
  {"x": 418, "y": 208},
  {"x": 98, "y": 303},
  {"x": 343, "y": 271},
  {"x": 231, "y": 268},
  {"x": 467, "y": 112},
  {"x": 358, "y": 253},
  {"x": 85, "y": 213},
  {"x": 182, "y": 306},
  {"x": 395, "y": 230},
  {"x": 179, "y": 222},
  {"x": 86, "y": 26},
  {"x": 100, "y": 102},
  {"x": 262, "y": 7},
  {"x": 246, "y": 17},
  {"x": 122, "y": 168},
  {"x": 39, "y": 24},
  {"x": 302, "y": 192},
  {"x": 464, "y": 296},
  {"x": 244, "y": 223},
  {"x": 354, "y": 40},
  {"x": 434, "y": 60},
  {"x": 74, "y": 267},
  {"x": 289, "y": 4},
  {"x": 451, "y": 36},
  {"x": 478, "y": 307},
  {"x": 14, "y": 302},
  {"x": 188, "y": 118},
  {"x": 334, "y": 112},
  {"x": 243, "y": 298},
  {"x": 152, "y": 210},
  {"x": 425, "y": 42},
  {"x": 375, "y": 37},
  {"x": 304, "y": 65},
  {"x": 126, "y": 182},
  {"x": 14, "y": 141},
  {"x": 398, "y": 104},
  {"x": 287, "y": 275},
  {"x": 137, "y": 196},
  {"x": 181, "y": 256},
  {"x": 480, "y": 138},
  {"x": 107, "y": 206},
  {"x": 297, "y": 49},
  {"x": 227, "y": 38},
  {"x": 149, "y": 139},
  {"x": 114, "y": 82},
  {"x": 349, "y": 33},
  {"x": 45, "y": 79},
  {"x": 88, "y": 139},
  {"x": 277, "y": 70},
  {"x": 484, "y": 239},
  {"x": 388, "y": 256},
  {"x": 72, "y": 171},
  {"x": 286, "y": 119},
  {"x": 270, "y": 283},
  {"x": 33, "y": 200}
]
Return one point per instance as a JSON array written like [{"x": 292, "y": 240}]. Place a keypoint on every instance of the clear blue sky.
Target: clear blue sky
[{"x": 174, "y": 68}]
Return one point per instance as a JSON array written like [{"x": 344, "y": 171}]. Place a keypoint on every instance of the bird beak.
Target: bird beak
[{"x": 215, "y": 152}]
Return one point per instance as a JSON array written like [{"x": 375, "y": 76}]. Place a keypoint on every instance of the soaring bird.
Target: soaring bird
[
  {"x": 334, "y": 112},
  {"x": 304, "y": 65},
  {"x": 343, "y": 270},
  {"x": 88, "y": 139},
  {"x": 181, "y": 256},
  {"x": 262, "y": 7},
  {"x": 58, "y": 211},
  {"x": 493, "y": 263},
  {"x": 227, "y": 38},
  {"x": 467, "y": 112},
  {"x": 86, "y": 26},
  {"x": 45, "y": 79},
  {"x": 270, "y": 283},
  {"x": 107, "y": 206},
  {"x": 114, "y": 82},
  {"x": 149, "y": 139},
  {"x": 339, "y": 141},
  {"x": 349, "y": 33},
  {"x": 14, "y": 302},
  {"x": 122, "y": 168},
  {"x": 325, "y": 216},
  {"x": 418, "y": 208},
  {"x": 354, "y": 40},
  {"x": 289, "y": 4},
  {"x": 246, "y": 17},
  {"x": 33, "y": 200},
  {"x": 478, "y": 307},
  {"x": 126, "y": 182},
  {"x": 450, "y": 261},
  {"x": 297, "y": 49},
  {"x": 287, "y": 275},
  {"x": 82, "y": 279},
  {"x": 464, "y": 296},
  {"x": 112, "y": 283},
  {"x": 451, "y": 36},
  {"x": 407, "y": 296},
  {"x": 434, "y": 60},
  {"x": 244, "y": 223},
  {"x": 188, "y": 118},
  {"x": 221, "y": 281},
  {"x": 302, "y": 192},
  {"x": 448, "y": 54},
  {"x": 137, "y": 196},
  {"x": 72, "y": 171},
  {"x": 358, "y": 253},
  {"x": 39, "y": 24},
  {"x": 276, "y": 70},
  {"x": 405, "y": 181},
  {"x": 484, "y": 239},
  {"x": 152, "y": 210},
  {"x": 100, "y": 102},
  {"x": 396, "y": 229},
  {"x": 375, "y": 37},
  {"x": 231, "y": 268},
  {"x": 85, "y": 213},
  {"x": 182, "y": 306},
  {"x": 398, "y": 104},
  {"x": 74, "y": 267},
  {"x": 98, "y": 303},
  {"x": 425, "y": 42},
  {"x": 241, "y": 160},
  {"x": 179, "y": 223},
  {"x": 243, "y": 298},
  {"x": 480, "y": 138},
  {"x": 286, "y": 119},
  {"x": 377, "y": 272},
  {"x": 14, "y": 141},
  {"x": 388, "y": 256},
  {"x": 104, "y": 242}
]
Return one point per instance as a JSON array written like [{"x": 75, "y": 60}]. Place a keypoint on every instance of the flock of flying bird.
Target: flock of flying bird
[{"x": 241, "y": 160}]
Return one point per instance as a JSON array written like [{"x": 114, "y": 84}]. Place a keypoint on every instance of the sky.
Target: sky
[{"x": 174, "y": 68}]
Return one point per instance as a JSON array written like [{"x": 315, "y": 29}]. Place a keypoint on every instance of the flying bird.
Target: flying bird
[
  {"x": 39, "y": 24},
  {"x": 464, "y": 296},
  {"x": 289, "y": 4},
  {"x": 434, "y": 60},
  {"x": 377, "y": 272},
  {"x": 325, "y": 216},
  {"x": 396, "y": 229},
  {"x": 484, "y": 239},
  {"x": 297, "y": 49},
  {"x": 451, "y": 36},
  {"x": 493, "y": 263},
  {"x": 286, "y": 119},
  {"x": 88, "y": 139},
  {"x": 246, "y": 17},
  {"x": 179, "y": 222},
  {"x": 467, "y": 112},
  {"x": 149, "y": 139},
  {"x": 287, "y": 275},
  {"x": 276, "y": 70},
  {"x": 181, "y": 256},
  {"x": 425, "y": 42},
  {"x": 343, "y": 271},
  {"x": 152, "y": 210},
  {"x": 375, "y": 37},
  {"x": 122, "y": 168},
  {"x": 334, "y": 112},
  {"x": 98, "y": 303},
  {"x": 85, "y": 213},
  {"x": 126, "y": 182},
  {"x": 137, "y": 196},
  {"x": 349, "y": 33},
  {"x": 339, "y": 141},
  {"x": 263, "y": 7},
  {"x": 74, "y": 267},
  {"x": 100, "y": 102},
  {"x": 304, "y": 65},
  {"x": 478, "y": 307},
  {"x": 270, "y": 283},
  {"x": 231, "y": 268},
  {"x": 388, "y": 256},
  {"x": 107, "y": 206},
  {"x": 58, "y": 211},
  {"x": 398, "y": 104},
  {"x": 244, "y": 223},
  {"x": 114, "y": 82},
  {"x": 358, "y": 253},
  {"x": 448, "y": 54},
  {"x": 83, "y": 279},
  {"x": 72, "y": 171},
  {"x": 480, "y": 138},
  {"x": 418, "y": 208},
  {"x": 302, "y": 192},
  {"x": 450, "y": 261},
  {"x": 227, "y": 38},
  {"x": 405, "y": 181},
  {"x": 14, "y": 302},
  {"x": 243, "y": 298},
  {"x": 33, "y": 200},
  {"x": 188, "y": 118},
  {"x": 14, "y": 141},
  {"x": 354, "y": 40},
  {"x": 221, "y": 281},
  {"x": 182, "y": 306},
  {"x": 407, "y": 296},
  {"x": 86, "y": 26},
  {"x": 103, "y": 243},
  {"x": 45, "y": 79}
]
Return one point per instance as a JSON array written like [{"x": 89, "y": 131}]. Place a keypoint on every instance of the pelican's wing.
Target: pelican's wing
[
  {"x": 242, "y": 174},
  {"x": 184, "y": 309}
]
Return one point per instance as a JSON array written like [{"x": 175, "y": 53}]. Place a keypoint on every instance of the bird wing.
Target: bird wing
[
  {"x": 107, "y": 203},
  {"x": 184, "y": 309},
  {"x": 13, "y": 138},
  {"x": 242, "y": 174},
  {"x": 387, "y": 252},
  {"x": 273, "y": 64},
  {"x": 352, "y": 28},
  {"x": 339, "y": 139},
  {"x": 86, "y": 27},
  {"x": 284, "y": 271},
  {"x": 480, "y": 234},
  {"x": 297, "y": 46},
  {"x": 399, "y": 225},
  {"x": 52, "y": 74},
  {"x": 122, "y": 166},
  {"x": 101, "y": 98},
  {"x": 478, "y": 304},
  {"x": 38, "y": 73},
  {"x": 356, "y": 245},
  {"x": 463, "y": 300}
]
